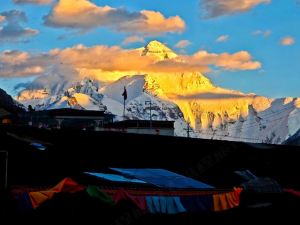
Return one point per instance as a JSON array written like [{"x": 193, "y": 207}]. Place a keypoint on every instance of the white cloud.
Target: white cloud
[
  {"x": 79, "y": 57},
  {"x": 39, "y": 2},
  {"x": 287, "y": 41},
  {"x": 153, "y": 24},
  {"x": 84, "y": 15},
  {"x": 216, "y": 8},
  {"x": 223, "y": 38},
  {"x": 264, "y": 33},
  {"x": 2, "y": 18},
  {"x": 183, "y": 44},
  {"x": 238, "y": 61},
  {"x": 12, "y": 29},
  {"x": 133, "y": 39},
  {"x": 16, "y": 63}
]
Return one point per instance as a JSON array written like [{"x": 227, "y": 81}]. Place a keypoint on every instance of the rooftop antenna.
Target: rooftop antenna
[
  {"x": 188, "y": 127},
  {"x": 150, "y": 104}
]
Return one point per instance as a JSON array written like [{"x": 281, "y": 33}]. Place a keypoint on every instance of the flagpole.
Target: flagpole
[
  {"x": 124, "y": 101},
  {"x": 124, "y": 109}
]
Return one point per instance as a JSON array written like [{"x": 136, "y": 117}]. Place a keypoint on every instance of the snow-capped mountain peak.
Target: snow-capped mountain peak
[
  {"x": 213, "y": 112},
  {"x": 86, "y": 86},
  {"x": 158, "y": 50}
]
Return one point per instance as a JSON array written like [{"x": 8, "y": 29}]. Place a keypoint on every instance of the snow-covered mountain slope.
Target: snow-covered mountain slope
[
  {"x": 134, "y": 86},
  {"x": 226, "y": 114},
  {"x": 213, "y": 112},
  {"x": 83, "y": 95},
  {"x": 136, "y": 104}
]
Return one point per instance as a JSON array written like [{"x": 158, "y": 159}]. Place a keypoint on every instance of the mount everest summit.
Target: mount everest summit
[{"x": 213, "y": 112}]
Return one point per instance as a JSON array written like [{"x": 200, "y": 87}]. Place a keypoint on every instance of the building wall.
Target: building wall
[{"x": 153, "y": 131}]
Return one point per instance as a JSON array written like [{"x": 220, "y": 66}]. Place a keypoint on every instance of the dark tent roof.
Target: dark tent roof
[
  {"x": 163, "y": 178},
  {"x": 115, "y": 177}
]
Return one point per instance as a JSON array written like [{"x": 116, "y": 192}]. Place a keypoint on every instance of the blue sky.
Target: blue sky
[{"x": 259, "y": 30}]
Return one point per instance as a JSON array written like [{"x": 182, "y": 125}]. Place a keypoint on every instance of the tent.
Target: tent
[
  {"x": 163, "y": 178},
  {"x": 115, "y": 178}
]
